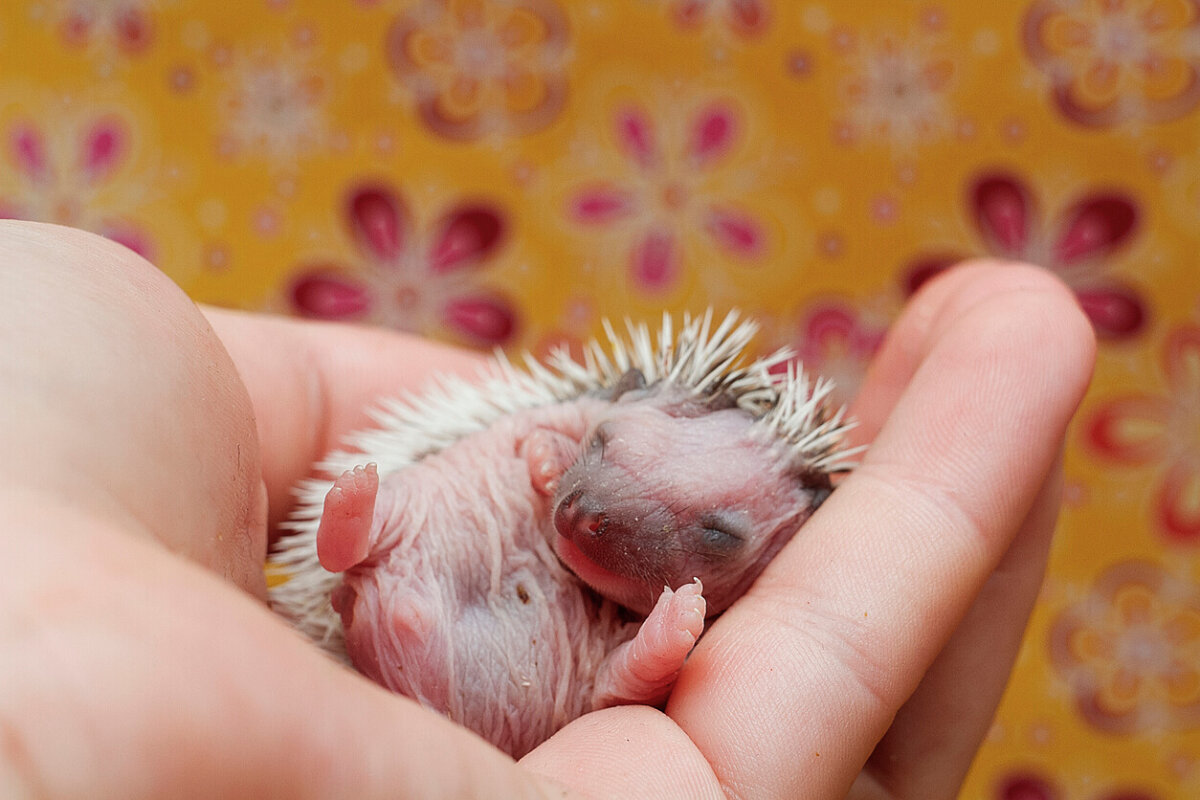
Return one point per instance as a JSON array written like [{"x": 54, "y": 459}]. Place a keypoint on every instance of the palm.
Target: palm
[
  {"x": 880, "y": 612},
  {"x": 127, "y": 671}
]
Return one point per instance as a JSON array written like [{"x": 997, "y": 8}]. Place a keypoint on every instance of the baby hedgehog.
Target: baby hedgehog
[{"x": 518, "y": 552}]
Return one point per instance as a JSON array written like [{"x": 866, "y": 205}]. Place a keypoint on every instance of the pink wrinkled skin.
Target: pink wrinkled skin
[{"x": 506, "y": 580}]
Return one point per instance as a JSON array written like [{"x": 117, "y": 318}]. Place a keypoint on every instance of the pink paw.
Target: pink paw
[
  {"x": 344, "y": 533},
  {"x": 644, "y": 669},
  {"x": 675, "y": 623},
  {"x": 547, "y": 453}
]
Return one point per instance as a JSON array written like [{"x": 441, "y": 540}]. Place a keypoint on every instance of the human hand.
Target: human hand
[
  {"x": 868, "y": 659},
  {"x": 131, "y": 480},
  {"x": 195, "y": 685}
]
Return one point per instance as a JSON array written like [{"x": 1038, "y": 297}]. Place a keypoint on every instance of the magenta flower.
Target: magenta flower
[
  {"x": 1129, "y": 651},
  {"x": 670, "y": 195},
  {"x": 1077, "y": 246},
  {"x": 478, "y": 69},
  {"x": 1116, "y": 61},
  {"x": 1162, "y": 429},
  {"x": 1031, "y": 786},
  {"x": 837, "y": 341},
  {"x": 74, "y": 176},
  {"x": 744, "y": 17},
  {"x": 420, "y": 279},
  {"x": 125, "y": 23}
]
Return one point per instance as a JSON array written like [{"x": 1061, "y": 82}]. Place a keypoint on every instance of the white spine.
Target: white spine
[{"x": 789, "y": 410}]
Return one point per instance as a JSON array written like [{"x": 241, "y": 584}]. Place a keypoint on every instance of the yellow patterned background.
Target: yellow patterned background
[{"x": 508, "y": 172}]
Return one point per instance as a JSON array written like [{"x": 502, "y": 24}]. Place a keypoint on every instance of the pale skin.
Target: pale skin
[{"x": 150, "y": 447}]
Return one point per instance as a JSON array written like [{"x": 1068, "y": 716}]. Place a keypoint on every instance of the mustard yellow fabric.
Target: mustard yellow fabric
[{"x": 508, "y": 172}]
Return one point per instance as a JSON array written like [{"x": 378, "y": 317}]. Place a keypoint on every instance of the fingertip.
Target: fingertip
[{"x": 943, "y": 302}]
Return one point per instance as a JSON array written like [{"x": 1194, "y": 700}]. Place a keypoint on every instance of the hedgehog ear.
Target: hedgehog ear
[
  {"x": 631, "y": 381},
  {"x": 815, "y": 480},
  {"x": 720, "y": 401}
]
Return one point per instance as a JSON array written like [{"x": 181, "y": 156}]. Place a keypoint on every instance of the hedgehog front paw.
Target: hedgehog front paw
[
  {"x": 547, "y": 453},
  {"x": 644, "y": 669}
]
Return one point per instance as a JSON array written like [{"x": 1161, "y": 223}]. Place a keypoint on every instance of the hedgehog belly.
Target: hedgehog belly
[
  {"x": 514, "y": 664},
  {"x": 469, "y": 611}
]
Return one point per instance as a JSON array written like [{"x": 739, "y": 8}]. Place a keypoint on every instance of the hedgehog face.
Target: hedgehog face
[{"x": 663, "y": 492}]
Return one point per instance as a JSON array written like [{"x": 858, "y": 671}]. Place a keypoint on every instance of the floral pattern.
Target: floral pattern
[
  {"x": 1142, "y": 429},
  {"x": 895, "y": 90},
  {"x": 1109, "y": 61},
  {"x": 535, "y": 166},
  {"x": 836, "y": 340},
  {"x": 1130, "y": 651},
  {"x": 125, "y": 24},
  {"x": 273, "y": 107},
  {"x": 414, "y": 279},
  {"x": 667, "y": 201},
  {"x": 78, "y": 175},
  {"x": 481, "y": 67},
  {"x": 1034, "y": 786},
  {"x": 1077, "y": 246},
  {"x": 748, "y": 18}
]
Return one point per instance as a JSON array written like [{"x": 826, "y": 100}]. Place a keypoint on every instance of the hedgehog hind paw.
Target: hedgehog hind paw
[{"x": 344, "y": 533}]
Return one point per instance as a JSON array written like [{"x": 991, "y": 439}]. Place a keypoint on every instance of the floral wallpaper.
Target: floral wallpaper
[{"x": 509, "y": 172}]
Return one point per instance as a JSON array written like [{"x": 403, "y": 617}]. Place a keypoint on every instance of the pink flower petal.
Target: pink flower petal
[
  {"x": 379, "y": 222},
  {"x": 828, "y": 325},
  {"x": 133, "y": 30},
  {"x": 1179, "y": 502},
  {"x": 1130, "y": 430},
  {"x": 29, "y": 150},
  {"x": 484, "y": 321},
  {"x": 635, "y": 134},
  {"x": 923, "y": 269},
  {"x": 713, "y": 132},
  {"x": 1095, "y": 226},
  {"x": 839, "y": 327},
  {"x": 655, "y": 261},
  {"x": 749, "y": 16},
  {"x": 75, "y": 29},
  {"x": 599, "y": 205},
  {"x": 467, "y": 236},
  {"x": 689, "y": 13},
  {"x": 736, "y": 232},
  {"x": 103, "y": 148},
  {"x": 1004, "y": 210},
  {"x": 1117, "y": 312},
  {"x": 321, "y": 293},
  {"x": 1026, "y": 787}
]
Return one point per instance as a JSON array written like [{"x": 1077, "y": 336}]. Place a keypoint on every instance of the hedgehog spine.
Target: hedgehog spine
[{"x": 787, "y": 407}]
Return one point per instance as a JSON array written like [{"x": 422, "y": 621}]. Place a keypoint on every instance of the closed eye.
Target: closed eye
[
  {"x": 719, "y": 540},
  {"x": 723, "y": 529}
]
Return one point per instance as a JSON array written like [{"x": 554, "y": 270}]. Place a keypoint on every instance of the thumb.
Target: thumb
[{"x": 128, "y": 672}]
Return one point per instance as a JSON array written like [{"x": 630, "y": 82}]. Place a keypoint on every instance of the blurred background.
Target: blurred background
[{"x": 508, "y": 172}]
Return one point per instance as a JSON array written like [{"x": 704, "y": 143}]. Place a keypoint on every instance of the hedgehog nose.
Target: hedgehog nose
[{"x": 579, "y": 517}]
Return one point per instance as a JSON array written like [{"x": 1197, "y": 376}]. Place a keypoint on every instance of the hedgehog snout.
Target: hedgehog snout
[{"x": 578, "y": 517}]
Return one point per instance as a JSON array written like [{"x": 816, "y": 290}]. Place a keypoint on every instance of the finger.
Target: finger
[
  {"x": 200, "y": 693},
  {"x": 313, "y": 383},
  {"x": 793, "y": 687},
  {"x": 112, "y": 389},
  {"x": 933, "y": 740},
  {"x": 923, "y": 319},
  {"x": 628, "y": 751}
]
